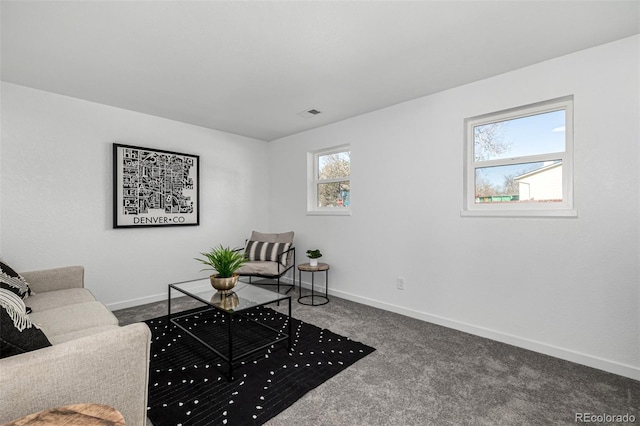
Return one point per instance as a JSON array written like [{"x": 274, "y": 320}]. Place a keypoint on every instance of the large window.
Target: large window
[
  {"x": 329, "y": 183},
  {"x": 520, "y": 162}
]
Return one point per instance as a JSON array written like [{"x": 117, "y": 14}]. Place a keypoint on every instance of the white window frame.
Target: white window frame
[
  {"x": 313, "y": 181},
  {"x": 556, "y": 209}
]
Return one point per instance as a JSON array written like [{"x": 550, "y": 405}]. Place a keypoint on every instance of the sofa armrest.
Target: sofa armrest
[
  {"x": 109, "y": 368},
  {"x": 55, "y": 279}
]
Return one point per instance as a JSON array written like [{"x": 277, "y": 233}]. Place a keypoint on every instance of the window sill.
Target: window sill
[
  {"x": 520, "y": 213},
  {"x": 328, "y": 212}
]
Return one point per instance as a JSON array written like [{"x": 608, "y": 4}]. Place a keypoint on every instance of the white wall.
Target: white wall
[
  {"x": 56, "y": 190},
  {"x": 579, "y": 299}
]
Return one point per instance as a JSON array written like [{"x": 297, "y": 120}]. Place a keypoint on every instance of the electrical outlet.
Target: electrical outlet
[{"x": 400, "y": 283}]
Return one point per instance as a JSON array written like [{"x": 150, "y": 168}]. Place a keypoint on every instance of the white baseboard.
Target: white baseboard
[
  {"x": 521, "y": 342},
  {"x": 136, "y": 302},
  {"x": 544, "y": 348}
]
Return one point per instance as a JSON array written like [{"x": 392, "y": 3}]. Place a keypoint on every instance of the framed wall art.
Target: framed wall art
[{"x": 153, "y": 187}]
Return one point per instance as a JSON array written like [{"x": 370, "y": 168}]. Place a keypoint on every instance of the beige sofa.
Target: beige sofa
[{"x": 91, "y": 360}]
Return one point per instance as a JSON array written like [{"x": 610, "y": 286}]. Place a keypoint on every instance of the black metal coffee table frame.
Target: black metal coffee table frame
[{"x": 245, "y": 305}]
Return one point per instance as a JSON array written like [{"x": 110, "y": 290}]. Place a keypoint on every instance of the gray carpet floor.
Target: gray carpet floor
[{"x": 424, "y": 374}]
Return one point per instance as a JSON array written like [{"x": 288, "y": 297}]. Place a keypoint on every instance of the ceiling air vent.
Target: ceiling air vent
[{"x": 308, "y": 113}]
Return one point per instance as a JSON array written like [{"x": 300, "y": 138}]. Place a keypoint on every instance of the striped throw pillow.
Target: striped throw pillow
[
  {"x": 13, "y": 281},
  {"x": 261, "y": 250},
  {"x": 19, "y": 334}
]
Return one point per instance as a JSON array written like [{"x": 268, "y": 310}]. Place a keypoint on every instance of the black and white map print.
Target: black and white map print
[{"x": 155, "y": 187}]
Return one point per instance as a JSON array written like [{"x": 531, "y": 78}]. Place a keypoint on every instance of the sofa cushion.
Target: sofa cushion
[
  {"x": 266, "y": 251},
  {"x": 66, "y": 319},
  {"x": 67, "y": 337},
  {"x": 55, "y": 299},
  {"x": 13, "y": 281},
  {"x": 19, "y": 333}
]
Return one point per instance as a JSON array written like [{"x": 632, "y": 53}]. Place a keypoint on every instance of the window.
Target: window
[
  {"x": 520, "y": 162},
  {"x": 329, "y": 182}
]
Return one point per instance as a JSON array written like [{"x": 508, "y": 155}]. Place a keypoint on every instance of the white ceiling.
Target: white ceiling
[{"x": 250, "y": 67}]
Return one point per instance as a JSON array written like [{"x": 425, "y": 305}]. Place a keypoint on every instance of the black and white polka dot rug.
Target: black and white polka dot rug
[{"x": 188, "y": 383}]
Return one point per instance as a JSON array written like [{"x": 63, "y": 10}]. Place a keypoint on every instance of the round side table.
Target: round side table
[{"x": 314, "y": 299}]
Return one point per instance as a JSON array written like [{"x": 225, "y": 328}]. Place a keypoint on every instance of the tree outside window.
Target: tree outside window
[
  {"x": 330, "y": 181},
  {"x": 333, "y": 185}
]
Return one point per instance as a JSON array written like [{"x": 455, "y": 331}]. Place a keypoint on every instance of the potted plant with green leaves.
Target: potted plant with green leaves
[
  {"x": 313, "y": 256},
  {"x": 225, "y": 261}
]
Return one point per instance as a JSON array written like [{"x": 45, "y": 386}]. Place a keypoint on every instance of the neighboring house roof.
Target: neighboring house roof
[{"x": 540, "y": 170}]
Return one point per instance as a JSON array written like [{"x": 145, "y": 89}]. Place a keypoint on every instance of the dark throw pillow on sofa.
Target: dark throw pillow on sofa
[
  {"x": 17, "y": 333},
  {"x": 13, "y": 281}
]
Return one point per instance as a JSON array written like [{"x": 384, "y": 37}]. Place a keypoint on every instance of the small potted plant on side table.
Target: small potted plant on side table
[
  {"x": 313, "y": 256},
  {"x": 225, "y": 261}
]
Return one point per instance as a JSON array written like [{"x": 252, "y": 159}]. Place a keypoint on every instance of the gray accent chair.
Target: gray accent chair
[{"x": 272, "y": 270}]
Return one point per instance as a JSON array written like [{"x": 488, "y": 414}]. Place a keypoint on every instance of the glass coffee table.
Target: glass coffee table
[{"x": 233, "y": 331}]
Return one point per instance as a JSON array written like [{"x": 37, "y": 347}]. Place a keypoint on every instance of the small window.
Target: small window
[
  {"x": 329, "y": 182},
  {"x": 520, "y": 162}
]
